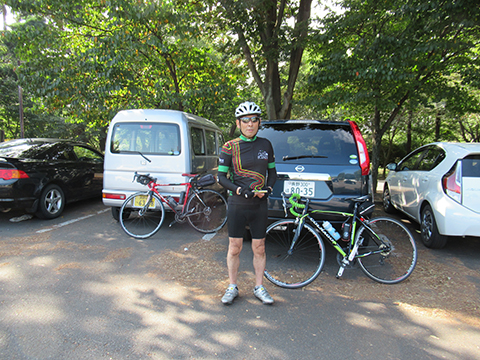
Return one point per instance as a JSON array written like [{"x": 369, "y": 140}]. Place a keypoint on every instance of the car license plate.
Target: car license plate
[
  {"x": 303, "y": 188},
  {"x": 140, "y": 200}
]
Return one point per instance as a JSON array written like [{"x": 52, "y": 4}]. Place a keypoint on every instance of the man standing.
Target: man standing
[{"x": 250, "y": 163}]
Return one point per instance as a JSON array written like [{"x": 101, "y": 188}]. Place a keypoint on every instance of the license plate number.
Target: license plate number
[
  {"x": 303, "y": 188},
  {"x": 141, "y": 200}
]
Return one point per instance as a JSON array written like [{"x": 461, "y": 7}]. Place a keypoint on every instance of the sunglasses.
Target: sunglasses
[{"x": 246, "y": 120}]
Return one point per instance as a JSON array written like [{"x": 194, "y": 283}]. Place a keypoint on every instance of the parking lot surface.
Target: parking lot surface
[{"x": 77, "y": 287}]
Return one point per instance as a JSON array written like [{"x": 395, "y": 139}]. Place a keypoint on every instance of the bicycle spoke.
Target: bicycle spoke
[
  {"x": 392, "y": 256},
  {"x": 293, "y": 265},
  {"x": 207, "y": 211},
  {"x": 141, "y": 222}
]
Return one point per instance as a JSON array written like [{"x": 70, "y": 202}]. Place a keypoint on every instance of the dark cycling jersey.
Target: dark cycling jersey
[{"x": 249, "y": 163}]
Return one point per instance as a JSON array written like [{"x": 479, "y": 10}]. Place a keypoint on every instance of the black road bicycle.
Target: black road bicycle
[{"x": 383, "y": 247}]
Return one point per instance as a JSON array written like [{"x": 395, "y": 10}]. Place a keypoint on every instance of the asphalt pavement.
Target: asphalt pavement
[{"x": 78, "y": 287}]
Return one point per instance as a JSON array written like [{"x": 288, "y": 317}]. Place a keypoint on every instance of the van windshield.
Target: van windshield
[{"x": 160, "y": 139}]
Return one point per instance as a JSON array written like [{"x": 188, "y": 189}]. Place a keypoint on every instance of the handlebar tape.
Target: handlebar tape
[{"x": 293, "y": 200}]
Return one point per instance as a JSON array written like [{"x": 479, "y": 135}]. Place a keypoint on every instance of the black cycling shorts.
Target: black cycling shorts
[{"x": 242, "y": 215}]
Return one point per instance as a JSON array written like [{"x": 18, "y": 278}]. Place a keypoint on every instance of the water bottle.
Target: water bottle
[
  {"x": 182, "y": 198},
  {"x": 172, "y": 202},
  {"x": 327, "y": 226}
]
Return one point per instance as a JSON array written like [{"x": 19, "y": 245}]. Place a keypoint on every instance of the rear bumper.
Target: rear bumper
[
  {"x": 13, "y": 198},
  {"x": 454, "y": 219},
  {"x": 23, "y": 203}
]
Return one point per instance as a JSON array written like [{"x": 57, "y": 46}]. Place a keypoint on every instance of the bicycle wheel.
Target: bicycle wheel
[
  {"x": 293, "y": 261},
  {"x": 207, "y": 211},
  {"x": 396, "y": 255},
  {"x": 141, "y": 220}
]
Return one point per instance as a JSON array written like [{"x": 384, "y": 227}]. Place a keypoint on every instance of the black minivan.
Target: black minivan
[{"x": 326, "y": 161}]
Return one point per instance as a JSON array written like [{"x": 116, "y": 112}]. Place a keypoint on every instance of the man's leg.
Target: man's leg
[
  {"x": 233, "y": 263},
  {"x": 259, "y": 262},
  {"x": 233, "y": 258},
  {"x": 259, "y": 259}
]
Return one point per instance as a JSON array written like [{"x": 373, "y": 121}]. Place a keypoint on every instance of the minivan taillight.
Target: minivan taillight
[
  {"x": 361, "y": 147},
  {"x": 10, "y": 174},
  {"x": 452, "y": 182}
]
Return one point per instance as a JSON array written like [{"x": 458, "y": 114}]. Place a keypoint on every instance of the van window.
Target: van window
[
  {"x": 198, "y": 143},
  {"x": 211, "y": 142},
  {"x": 159, "y": 138}
]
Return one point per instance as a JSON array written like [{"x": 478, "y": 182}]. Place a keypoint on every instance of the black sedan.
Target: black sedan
[{"x": 42, "y": 175}]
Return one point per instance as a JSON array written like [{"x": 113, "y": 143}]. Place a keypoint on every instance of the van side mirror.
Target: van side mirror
[{"x": 392, "y": 167}]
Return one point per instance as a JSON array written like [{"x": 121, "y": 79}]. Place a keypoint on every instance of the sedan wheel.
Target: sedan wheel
[
  {"x": 387, "y": 202},
  {"x": 431, "y": 238},
  {"x": 52, "y": 202}
]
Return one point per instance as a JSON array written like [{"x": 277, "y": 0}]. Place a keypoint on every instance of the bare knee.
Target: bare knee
[
  {"x": 258, "y": 247},
  {"x": 235, "y": 246}
]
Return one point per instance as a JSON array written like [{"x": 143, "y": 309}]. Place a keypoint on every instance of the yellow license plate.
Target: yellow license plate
[{"x": 141, "y": 200}]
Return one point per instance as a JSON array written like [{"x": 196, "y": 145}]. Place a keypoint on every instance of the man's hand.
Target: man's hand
[{"x": 247, "y": 193}]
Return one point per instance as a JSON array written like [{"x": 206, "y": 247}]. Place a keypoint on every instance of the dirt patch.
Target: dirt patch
[
  {"x": 193, "y": 265},
  {"x": 72, "y": 265},
  {"x": 118, "y": 254},
  {"x": 440, "y": 290}
]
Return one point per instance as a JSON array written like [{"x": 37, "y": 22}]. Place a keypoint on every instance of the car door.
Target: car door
[
  {"x": 418, "y": 181},
  {"x": 403, "y": 191},
  {"x": 90, "y": 165}
]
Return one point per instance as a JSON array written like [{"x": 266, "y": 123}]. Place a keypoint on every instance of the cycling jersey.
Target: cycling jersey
[{"x": 249, "y": 163}]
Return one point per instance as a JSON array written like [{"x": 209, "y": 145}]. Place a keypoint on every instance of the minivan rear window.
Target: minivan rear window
[
  {"x": 311, "y": 143},
  {"x": 147, "y": 138}
]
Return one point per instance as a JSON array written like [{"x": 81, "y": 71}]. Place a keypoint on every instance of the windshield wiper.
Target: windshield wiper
[
  {"x": 286, "y": 157},
  {"x": 144, "y": 157}
]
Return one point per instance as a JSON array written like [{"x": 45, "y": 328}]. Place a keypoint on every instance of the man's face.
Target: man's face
[{"x": 248, "y": 125}]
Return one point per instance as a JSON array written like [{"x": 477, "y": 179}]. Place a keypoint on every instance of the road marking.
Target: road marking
[
  {"x": 208, "y": 237},
  {"x": 71, "y": 221}
]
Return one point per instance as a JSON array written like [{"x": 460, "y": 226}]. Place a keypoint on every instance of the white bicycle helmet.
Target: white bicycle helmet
[{"x": 247, "y": 108}]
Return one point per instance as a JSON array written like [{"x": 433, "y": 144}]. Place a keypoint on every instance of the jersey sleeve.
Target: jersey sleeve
[
  {"x": 271, "y": 169},
  {"x": 224, "y": 164}
]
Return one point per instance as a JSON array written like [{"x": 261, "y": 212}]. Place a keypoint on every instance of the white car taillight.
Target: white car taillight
[{"x": 452, "y": 182}]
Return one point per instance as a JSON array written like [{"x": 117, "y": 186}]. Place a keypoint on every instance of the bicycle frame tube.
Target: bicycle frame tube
[
  {"x": 327, "y": 235},
  {"x": 376, "y": 239}
]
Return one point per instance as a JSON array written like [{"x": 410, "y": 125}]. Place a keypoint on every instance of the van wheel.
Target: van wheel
[
  {"x": 431, "y": 238},
  {"x": 387, "y": 201},
  {"x": 116, "y": 213}
]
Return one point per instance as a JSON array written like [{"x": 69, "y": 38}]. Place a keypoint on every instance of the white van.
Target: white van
[{"x": 162, "y": 143}]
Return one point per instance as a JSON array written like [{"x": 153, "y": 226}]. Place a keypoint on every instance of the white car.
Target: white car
[{"x": 438, "y": 186}]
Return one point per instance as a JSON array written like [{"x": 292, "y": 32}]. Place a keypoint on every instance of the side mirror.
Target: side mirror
[{"x": 392, "y": 167}]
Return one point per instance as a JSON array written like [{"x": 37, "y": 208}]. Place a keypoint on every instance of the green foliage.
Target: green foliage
[
  {"x": 93, "y": 58},
  {"x": 378, "y": 54},
  {"x": 375, "y": 56}
]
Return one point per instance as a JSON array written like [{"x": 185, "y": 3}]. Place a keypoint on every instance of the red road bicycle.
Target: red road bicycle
[{"x": 142, "y": 213}]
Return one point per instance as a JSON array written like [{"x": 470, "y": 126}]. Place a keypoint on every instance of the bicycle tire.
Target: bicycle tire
[
  {"x": 294, "y": 268},
  {"x": 139, "y": 224},
  {"x": 207, "y": 211},
  {"x": 398, "y": 261}
]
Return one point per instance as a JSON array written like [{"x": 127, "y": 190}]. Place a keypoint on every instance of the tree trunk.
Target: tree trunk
[
  {"x": 438, "y": 123},
  {"x": 376, "y": 147},
  {"x": 278, "y": 106},
  {"x": 409, "y": 131}
]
